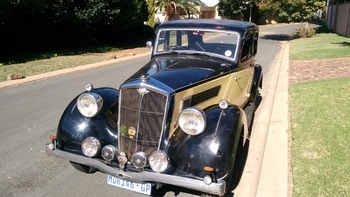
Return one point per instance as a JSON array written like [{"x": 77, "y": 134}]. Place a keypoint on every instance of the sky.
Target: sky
[{"x": 210, "y": 2}]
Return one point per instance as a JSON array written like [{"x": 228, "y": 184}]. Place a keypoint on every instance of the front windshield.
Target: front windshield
[{"x": 189, "y": 41}]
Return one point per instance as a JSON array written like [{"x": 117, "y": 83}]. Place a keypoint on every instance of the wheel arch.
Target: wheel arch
[{"x": 257, "y": 82}]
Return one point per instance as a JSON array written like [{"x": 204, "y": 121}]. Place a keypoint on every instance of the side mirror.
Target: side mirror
[{"x": 149, "y": 45}]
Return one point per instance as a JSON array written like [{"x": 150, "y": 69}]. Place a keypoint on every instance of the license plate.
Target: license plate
[{"x": 143, "y": 188}]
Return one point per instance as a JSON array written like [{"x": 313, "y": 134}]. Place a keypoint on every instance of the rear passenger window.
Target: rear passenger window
[
  {"x": 246, "y": 51},
  {"x": 255, "y": 44}
]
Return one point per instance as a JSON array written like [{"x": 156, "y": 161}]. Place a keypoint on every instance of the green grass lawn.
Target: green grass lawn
[
  {"x": 320, "y": 123},
  {"x": 321, "y": 46},
  {"x": 320, "y": 116},
  {"x": 56, "y": 62},
  {"x": 46, "y": 65}
]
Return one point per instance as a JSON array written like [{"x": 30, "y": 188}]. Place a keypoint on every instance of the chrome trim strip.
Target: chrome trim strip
[
  {"x": 214, "y": 188},
  {"x": 151, "y": 84}
]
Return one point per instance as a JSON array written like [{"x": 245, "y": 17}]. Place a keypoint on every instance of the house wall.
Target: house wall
[
  {"x": 338, "y": 19},
  {"x": 210, "y": 12},
  {"x": 207, "y": 12},
  {"x": 159, "y": 17}
]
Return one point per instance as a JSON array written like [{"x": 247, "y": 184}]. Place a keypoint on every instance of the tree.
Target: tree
[
  {"x": 30, "y": 26},
  {"x": 236, "y": 9},
  {"x": 292, "y": 10},
  {"x": 172, "y": 8},
  {"x": 151, "y": 7}
]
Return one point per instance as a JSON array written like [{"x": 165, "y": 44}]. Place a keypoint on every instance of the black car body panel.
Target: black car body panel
[
  {"x": 180, "y": 70},
  {"x": 73, "y": 127},
  {"x": 210, "y": 149}
]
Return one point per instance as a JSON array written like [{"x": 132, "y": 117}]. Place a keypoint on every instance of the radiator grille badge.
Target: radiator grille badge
[
  {"x": 122, "y": 129},
  {"x": 131, "y": 132},
  {"x": 142, "y": 91}
]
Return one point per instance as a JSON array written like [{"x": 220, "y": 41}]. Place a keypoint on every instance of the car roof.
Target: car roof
[{"x": 220, "y": 24}]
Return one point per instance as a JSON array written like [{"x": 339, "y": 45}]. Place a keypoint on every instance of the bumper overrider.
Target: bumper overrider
[{"x": 218, "y": 188}]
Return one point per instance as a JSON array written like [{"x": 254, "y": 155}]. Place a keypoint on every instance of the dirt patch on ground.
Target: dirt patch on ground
[
  {"x": 127, "y": 52},
  {"x": 313, "y": 70}
]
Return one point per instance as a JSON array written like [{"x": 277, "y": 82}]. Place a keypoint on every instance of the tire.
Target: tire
[
  {"x": 208, "y": 195},
  {"x": 250, "y": 111},
  {"x": 83, "y": 168}
]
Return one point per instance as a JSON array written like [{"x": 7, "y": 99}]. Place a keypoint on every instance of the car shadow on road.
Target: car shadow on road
[
  {"x": 242, "y": 156},
  {"x": 278, "y": 37}
]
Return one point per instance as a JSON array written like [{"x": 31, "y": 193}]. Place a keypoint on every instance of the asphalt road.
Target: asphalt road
[{"x": 29, "y": 113}]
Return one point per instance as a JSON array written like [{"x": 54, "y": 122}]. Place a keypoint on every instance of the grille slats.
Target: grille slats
[
  {"x": 146, "y": 115},
  {"x": 205, "y": 95}
]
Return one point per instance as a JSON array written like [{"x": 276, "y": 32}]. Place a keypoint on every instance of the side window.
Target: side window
[
  {"x": 247, "y": 47},
  {"x": 255, "y": 44},
  {"x": 163, "y": 41}
]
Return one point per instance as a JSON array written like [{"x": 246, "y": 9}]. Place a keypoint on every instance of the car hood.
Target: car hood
[{"x": 180, "y": 71}]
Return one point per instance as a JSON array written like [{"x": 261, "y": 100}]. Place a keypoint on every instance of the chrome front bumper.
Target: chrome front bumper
[{"x": 144, "y": 176}]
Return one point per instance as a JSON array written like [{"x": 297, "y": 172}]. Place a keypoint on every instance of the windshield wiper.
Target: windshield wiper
[
  {"x": 196, "y": 53},
  {"x": 188, "y": 52}
]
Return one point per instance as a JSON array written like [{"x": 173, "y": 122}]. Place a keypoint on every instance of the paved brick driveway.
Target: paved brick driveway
[{"x": 312, "y": 70}]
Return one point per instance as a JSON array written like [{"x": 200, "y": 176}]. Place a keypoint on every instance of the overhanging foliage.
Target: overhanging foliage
[
  {"x": 41, "y": 25},
  {"x": 292, "y": 10}
]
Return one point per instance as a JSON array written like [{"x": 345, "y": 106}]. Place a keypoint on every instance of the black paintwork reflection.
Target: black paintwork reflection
[
  {"x": 214, "y": 148},
  {"x": 177, "y": 71}
]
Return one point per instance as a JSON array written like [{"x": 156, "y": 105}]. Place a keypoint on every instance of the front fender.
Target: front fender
[
  {"x": 257, "y": 82},
  {"x": 215, "y": 147},
  {"x": 73, "y": 127}
]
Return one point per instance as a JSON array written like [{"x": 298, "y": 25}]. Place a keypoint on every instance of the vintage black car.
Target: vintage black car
[{"x": 178, "y": 120}]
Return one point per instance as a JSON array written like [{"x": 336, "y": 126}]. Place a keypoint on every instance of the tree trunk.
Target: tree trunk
[{"x": 171, "y": 12}]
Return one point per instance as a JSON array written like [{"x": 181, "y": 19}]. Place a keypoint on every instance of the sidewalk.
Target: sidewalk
[{"x": 274, "y": 177}]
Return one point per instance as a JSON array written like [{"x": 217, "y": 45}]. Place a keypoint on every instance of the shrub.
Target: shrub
[{"x": 305, "y": 31}]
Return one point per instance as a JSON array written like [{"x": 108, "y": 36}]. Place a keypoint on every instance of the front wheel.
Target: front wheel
[
  {"x": 208, "y": 195},
  {"x": 83, "y": 168}
]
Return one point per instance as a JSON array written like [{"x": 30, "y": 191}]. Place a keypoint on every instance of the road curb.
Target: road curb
[
  {"x": 12, "y": 83},
  {"x": 274, "y": 173}
]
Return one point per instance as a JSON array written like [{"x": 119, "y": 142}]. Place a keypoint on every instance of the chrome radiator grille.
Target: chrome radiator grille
[{"x": 141, "y": 121}]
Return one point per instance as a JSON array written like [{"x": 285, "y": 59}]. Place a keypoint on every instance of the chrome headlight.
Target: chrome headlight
[
  {"x": 89, "y": 104},
  {"x": 223, "y": 104},
  {"x": 90, "y": 146},
  {"x": 192, "y": 121},
  {"x": 139, "y": 159},
  {"x": 158, "y": 161},
  {"x": 109, "y": 152}
]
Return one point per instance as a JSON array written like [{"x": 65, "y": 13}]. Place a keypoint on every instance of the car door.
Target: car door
[{"x": 242, "y": 78}]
